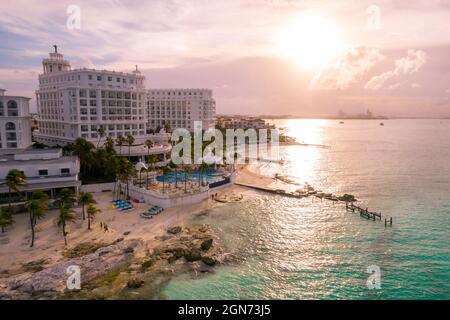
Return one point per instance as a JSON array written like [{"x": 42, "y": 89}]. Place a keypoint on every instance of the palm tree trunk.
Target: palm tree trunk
[
  {"x": 148, "y": 159},
  {"x": 89, "y": 221},
  {"x": 32, "y": 230},
  {"x": 64, "y": 233},
  {"x": 140, "y": 178},
  {"x": 9, "y": 197},
  {"x": 84, "y": 217}
]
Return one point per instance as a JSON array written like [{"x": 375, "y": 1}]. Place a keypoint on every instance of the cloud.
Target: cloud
[
  {"x": 17, "y": 75},
  {"x": 347, "y": 70},
  {"x": 409, "y": 64}
]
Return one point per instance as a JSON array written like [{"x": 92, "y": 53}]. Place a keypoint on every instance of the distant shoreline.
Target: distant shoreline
[{"x": 284, "y": 117}]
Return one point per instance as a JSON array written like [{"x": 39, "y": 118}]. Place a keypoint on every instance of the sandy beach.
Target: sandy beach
[{"x": 49, "y": 249}]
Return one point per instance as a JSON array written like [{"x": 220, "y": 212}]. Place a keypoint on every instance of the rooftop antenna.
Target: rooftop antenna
[
  {"x": 136, "y": 68},
  {"x": 56, "y": 48}
]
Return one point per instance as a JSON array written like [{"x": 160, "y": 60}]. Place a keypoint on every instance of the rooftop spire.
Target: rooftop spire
[{"x": 56, "y": 48}]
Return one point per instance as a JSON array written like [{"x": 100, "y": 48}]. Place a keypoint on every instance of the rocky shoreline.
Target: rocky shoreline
[{"x": 123, "y": 269}]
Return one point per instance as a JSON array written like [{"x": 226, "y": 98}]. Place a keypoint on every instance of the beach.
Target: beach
[{"x": 19, "y": 261}]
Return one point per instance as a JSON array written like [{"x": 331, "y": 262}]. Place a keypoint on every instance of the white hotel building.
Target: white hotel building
[
  {"x": 45, "y": 169},
  {"x": 180, "y": 108},
  {"x": 76, "y": 103},
  {"x": 15, "y": 123}
]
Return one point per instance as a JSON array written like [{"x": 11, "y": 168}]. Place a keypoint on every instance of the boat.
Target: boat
[
  {"x": 381, "y": 124},
  {"x": 342, "y": 122}
]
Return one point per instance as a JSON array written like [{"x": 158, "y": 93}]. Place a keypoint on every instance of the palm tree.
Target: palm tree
[
  {"x": 85, "y": 198},
  {"x": 167, "y": 127},
  {"x": 201, "y": 168},
  {"x": 152, "y": 160},
  {"x": 5, "y": 218},
  {"x": 125, "y": 171},
  {"x": 165, "y": 171},
  {"x": 120, "y": 141},
  {"x": 66, "y": 197},
  {"x": 39, "y": 195},
  {"x": 36, "y": 209},
  {"x": 186, "y": 171},
  {"x": 109, "y": 145},
  {"x": 14, "y": 179},
  {"x": 43, "y": 198},
  {"x": 84, "y": 150},
  {"x": 65, "y": 215},
  {"x": 92, "y": 210},
  {"x": 101, "y": 134},
  {"x": 130, "y": 141},
  {"x": 149, "y": 144}
]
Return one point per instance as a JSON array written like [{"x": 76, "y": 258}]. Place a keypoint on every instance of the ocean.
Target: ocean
[{"x": 291, "y": 248}]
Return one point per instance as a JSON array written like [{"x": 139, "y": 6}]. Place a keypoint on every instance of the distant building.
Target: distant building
[
  {"x": 15, "y": 123},
  {"x": 76, "y": 103},
  {"x": 241, "y": 122},
  {"x": 179, "y": 108}
]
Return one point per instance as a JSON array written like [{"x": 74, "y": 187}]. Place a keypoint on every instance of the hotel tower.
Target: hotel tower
[{"x": 75, "y": 103}]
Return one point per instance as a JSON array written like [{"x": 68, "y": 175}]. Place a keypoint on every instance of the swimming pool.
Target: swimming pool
[{"x": 210, "y": 175}]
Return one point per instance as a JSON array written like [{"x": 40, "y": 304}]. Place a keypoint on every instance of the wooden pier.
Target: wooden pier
[{"x": 349, "y": 206}]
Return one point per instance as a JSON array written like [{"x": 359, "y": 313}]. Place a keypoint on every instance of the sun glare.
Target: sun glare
[{"x": 310, "y": 41}]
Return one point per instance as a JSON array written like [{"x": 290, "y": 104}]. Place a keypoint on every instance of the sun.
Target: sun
[{"x": 310, "y": 41}]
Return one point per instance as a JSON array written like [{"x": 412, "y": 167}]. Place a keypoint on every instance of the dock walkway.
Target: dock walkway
[{"x": 363, "y": 212}]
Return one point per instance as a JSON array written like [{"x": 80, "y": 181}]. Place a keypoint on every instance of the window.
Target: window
[
  {"x": 65, "y": 171},
  {"x": 11, "y": 145},
  {"x": 109, "y": 78},
  {"x": 43, "y": 172},
  {"x": 99, "y": 78},
  {"x": 10, "y": 126},
  {"x": 12, "y": 109},
  {"x": 2, "y": 110},
  {"x": 11, "y": 136}
]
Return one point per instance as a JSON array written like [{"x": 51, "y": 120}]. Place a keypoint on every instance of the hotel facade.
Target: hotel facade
[
  {"x": 45, "y": 169},
  {"x": 179, "y": 108},
  {"x": 15, "y": 123},
  {"x": 77, "y": 103}
]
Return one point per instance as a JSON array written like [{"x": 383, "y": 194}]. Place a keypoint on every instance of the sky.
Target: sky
[{"x": 282, "y": 57}]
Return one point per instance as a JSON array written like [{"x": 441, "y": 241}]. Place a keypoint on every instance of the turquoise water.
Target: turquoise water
[{"x": 298, "y": 249}]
